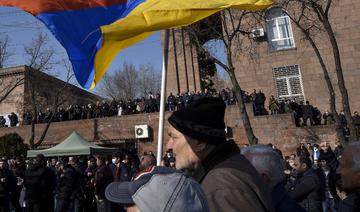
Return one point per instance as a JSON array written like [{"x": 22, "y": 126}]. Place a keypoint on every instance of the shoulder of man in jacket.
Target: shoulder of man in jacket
[{"x": 234, "y": 185}]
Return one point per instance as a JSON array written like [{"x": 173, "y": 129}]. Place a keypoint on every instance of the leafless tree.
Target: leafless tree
[
  {"x": 40, "y": 59},
  {"x": 312, "y": 17},
  {"x": 129, "y": 82},
  {"x": 39, "y": 55},
  {"x": 59, "y": 97},
  {"x": 232, "y": 28},
  {"x": 149, "y": 79},
  {"x": 7, "y": 85},
  {"x": 5, "y": 51}
]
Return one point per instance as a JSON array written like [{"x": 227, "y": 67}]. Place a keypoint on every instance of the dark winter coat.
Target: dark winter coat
[
  {"x": 231, "y": 183},
  {"x": 302, "y": 152},
  {"x": 331, "y": 183},
  {"x": 307, "y": 110},
  {"x": 330, "y": 158},
  {"x": 350, "y": 204},
  {"x": 13, "y": 119},
  {"x": 40, "y": 183},
  {"x": 67, "y": 183},
  {"x": 307, "y": 191},
  {"x": 7, "y": 183},
  {"x": 283, "y": 202},
  {"x": 103, "y": 177}
]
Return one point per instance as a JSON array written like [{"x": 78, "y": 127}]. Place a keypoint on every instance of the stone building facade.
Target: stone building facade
[
  {"x": 183, "y": 69},
  {"x": 285, "y": 64},
  {"x": 45, "y": 87}
]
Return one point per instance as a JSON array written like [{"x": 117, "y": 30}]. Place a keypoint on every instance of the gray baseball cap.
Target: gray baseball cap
[{"x": 158, "y": 190}]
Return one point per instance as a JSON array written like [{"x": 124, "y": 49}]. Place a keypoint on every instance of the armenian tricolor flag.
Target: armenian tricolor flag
[{"x": 93, "y": 32}]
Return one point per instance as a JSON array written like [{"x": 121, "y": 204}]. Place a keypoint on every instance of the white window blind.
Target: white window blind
[{"x": 288, "y": 83}]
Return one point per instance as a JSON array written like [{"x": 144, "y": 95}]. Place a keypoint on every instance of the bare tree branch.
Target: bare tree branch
[
  {"x": 5, "y": 52},
  {"x": 6, "y": 91},
  {"x": 314, "y": 18},
  {"x": 328, "y": 6},
  {"x": 39, "y": 55},
  {"x": 130, "y": 82},
  {"x": 236, "y": 30}
]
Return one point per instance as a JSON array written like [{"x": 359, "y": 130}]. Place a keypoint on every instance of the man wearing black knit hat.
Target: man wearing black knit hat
[{"x": 197, "y": 138}]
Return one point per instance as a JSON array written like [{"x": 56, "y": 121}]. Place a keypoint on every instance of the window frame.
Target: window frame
[
  {"x": 277, "y": 32},
  {"x": 287, "y": 78}
]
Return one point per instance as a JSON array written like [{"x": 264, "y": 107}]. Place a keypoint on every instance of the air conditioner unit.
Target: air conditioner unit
[
  {"x": 141, "y": 131},
  {"x": 258, "y": 33}
]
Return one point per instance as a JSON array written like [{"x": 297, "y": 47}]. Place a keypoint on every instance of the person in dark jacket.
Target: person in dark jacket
[
  {"x": 2, "y": 122},
  {"x": 328, "y": 117},
  {"x": 328, "y": 155},
  {"x": 338, "y": 150},
  {"x": 103, "y": 177},
  {"x": 307, "y": 113},
  {"x": 171, "y": 100},
  {"x": 349, "y": 170},
  {"x": 13, "y": 119},
  {"x": 270, "y": 166},
  {"x": 317, "y": 116},
  {"x": 19, "y": 169},
  {"x": 7, "y": 186},
  {"x": 197, "y": 138},
  {"x": 328, "y": 181},
  {"x": 89, "y": 189},
  {"x": 342, "y": 119},
  {"x": 306, "y": 189},
  {"x": 122, "y": 171},
  {"x": 40, "y": 182},
  {"x": 302, "y": 151},
  {"x": 65, "y": 189}
]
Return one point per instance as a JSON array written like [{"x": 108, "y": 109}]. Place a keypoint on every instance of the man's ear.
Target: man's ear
[
  {"x": 304, "y": 166},
  {"x": 200, "y": 146},
  {"x": 197, "y": 145}
]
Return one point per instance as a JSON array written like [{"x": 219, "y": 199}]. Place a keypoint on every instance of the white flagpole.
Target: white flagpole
[{"x": 162, "y": 99}]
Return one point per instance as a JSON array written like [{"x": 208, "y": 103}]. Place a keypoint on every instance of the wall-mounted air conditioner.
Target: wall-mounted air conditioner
[
  {"x": 258, "y": 33},
  {"x": 141, "y": 131}
]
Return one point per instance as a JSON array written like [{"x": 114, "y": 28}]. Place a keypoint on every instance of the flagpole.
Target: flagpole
[{"x": 162, "y": 99}]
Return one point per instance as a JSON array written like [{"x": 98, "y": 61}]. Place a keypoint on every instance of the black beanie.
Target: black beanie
[{"x": 203, "y": 120}]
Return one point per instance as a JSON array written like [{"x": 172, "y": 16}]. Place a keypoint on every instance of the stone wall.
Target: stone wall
[
  {"x": 116, "y": 131},
  {"x": 8, "y": 79}
]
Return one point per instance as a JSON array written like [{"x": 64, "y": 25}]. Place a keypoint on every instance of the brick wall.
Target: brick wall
[
  {"x": 279, "y": 130},
  {"x": 255, "y": 71}
]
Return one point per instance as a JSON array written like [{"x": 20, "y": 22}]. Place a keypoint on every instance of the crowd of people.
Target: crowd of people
[
  {"x": 203, "y": 170},
  {"x": 13, "y": 118},
  {"x": 75, "y": 183},
  {"x": 304, "y": 114},
  {"x": 307, "y": 114}
]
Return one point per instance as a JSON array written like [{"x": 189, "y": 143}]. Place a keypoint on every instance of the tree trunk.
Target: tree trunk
[
  {"x": 242, "y": 109},
  {"x": 32, "y": 137},
  {"x": 41, "y": 139},
  {"x": 34, "y": 120},
  {"x": 341, "y": 81},
  {"x": 339, "y": 129}
]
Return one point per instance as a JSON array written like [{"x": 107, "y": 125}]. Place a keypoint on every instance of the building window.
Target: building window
[
  {"x": 288, "y": 83},
  {"x": 279, "y": 32}
]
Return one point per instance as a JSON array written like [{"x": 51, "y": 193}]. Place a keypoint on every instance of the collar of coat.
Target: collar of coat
[{"x": 221, "y": 153}]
